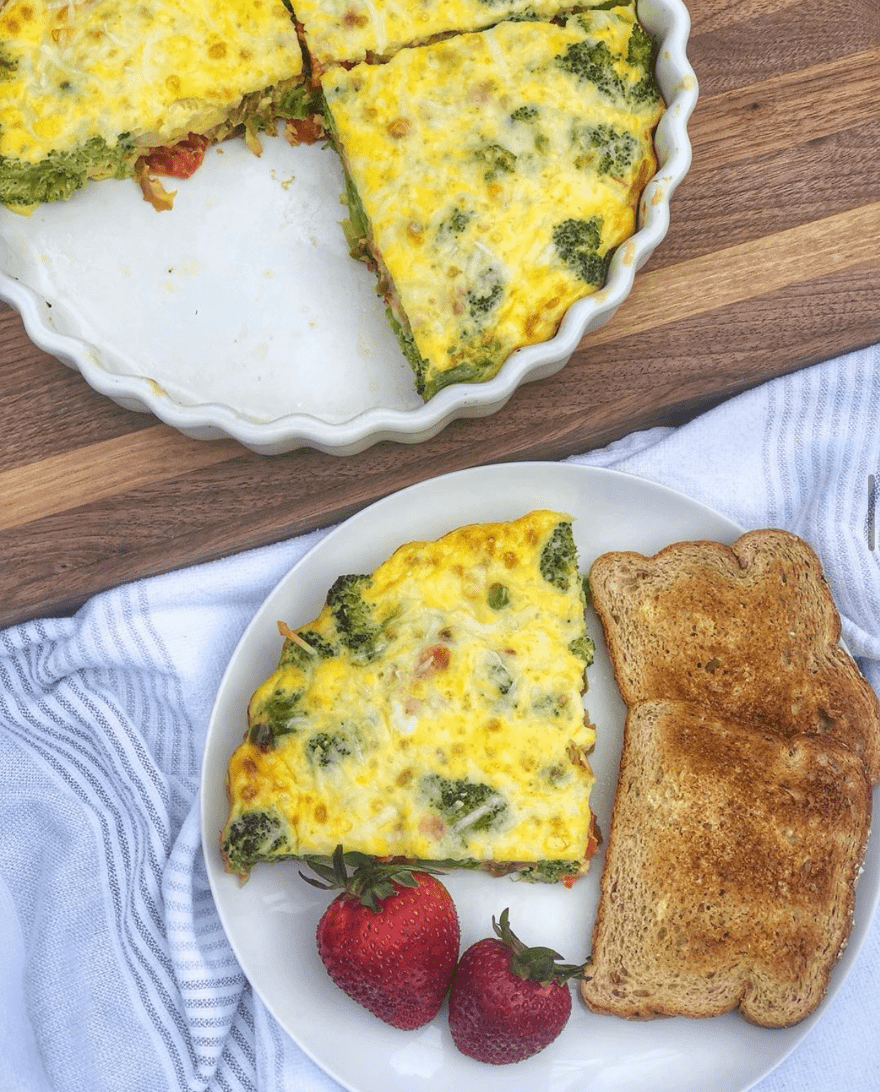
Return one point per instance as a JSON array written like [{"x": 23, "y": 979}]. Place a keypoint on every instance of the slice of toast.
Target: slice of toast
[
  {"x": 730, "y": 869},
  {"x": 748, "y": 630}
]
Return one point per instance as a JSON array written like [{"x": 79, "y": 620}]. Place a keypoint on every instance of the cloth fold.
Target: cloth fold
[{"x": 116, "y": 974}]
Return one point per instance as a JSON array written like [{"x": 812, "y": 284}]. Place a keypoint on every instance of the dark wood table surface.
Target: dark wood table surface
[{"x": 772, "y": 263}]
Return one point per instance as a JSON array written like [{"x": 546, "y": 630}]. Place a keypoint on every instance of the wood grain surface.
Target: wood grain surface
[{"x": 772, "y": 263}]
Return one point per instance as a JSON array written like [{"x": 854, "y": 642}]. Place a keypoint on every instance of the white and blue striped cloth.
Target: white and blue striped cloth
[{"x": 115, "y": 975}]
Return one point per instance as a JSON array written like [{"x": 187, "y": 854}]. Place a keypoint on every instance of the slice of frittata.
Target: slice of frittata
[
  {"x": 490, "y": 177},
  {"x": 90, "y": 89},
  {"x": 349, "y": 31},
  {"x": 433, "y": 711}
]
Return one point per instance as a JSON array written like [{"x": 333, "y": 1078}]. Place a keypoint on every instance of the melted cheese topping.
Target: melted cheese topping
[
  {"x": 357, "y": 30},
  {"x": 156, "y": 69},
  {"x": 459, "y": 735},
  {"x": 469, "y": 157}
]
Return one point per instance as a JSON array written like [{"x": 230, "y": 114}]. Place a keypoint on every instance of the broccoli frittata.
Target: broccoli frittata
[
  {"x": 433, "y": 711},
  {"x": 494, "y": 151},
  {"x": 491, "y": 175}
]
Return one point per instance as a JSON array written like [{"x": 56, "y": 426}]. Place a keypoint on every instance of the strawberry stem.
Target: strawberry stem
[
  {"x": 534, "y": 964},
  {"x": 370, "y": 880}
]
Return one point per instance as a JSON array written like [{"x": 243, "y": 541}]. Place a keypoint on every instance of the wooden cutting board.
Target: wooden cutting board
[{"x": 772, "y": 263}]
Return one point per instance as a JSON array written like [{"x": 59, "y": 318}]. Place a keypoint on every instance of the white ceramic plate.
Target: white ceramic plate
[
  {"x": 271, "y": 921},
  {"x": 239, "y": 313}
]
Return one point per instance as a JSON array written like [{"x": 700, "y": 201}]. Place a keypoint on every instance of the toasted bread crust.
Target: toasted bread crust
[
  {"x": 730, "y": 869},
  {"x": 749, "y": 630}
]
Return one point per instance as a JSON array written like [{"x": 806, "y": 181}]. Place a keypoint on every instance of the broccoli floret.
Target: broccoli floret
[
  {"x": 459, "y": 221},
  {"x": 559, "y": 557},
  {"x": 254, "y": 836},
  {"x": 584, "y": 647},
  {"x": 594, "y": 62},
  {"x": 486, "y": 295},
  {"x": 293, "y": 654},
  {"x": 455, "y": 223},
  {"x": 606, "y": 149},
  {"x": 577, "y": 243},
  {"x": 358, "y": 631},
  {"x": 325, "y": 750},
  {"x": 641, "y": 52},
  {"x": 277, "y": 717},
  {"x": 465, "y": 805},
  {"x": 529, "y": 115},
  {"x": 497, "y": 159}
]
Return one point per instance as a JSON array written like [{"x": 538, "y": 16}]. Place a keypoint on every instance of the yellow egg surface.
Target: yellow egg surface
[
  {"x": 433, "y": 711},
  {"x": 84, "y": 74},
  {"x": 357, "y": 30},
  {"x": 491, "y": 176}
]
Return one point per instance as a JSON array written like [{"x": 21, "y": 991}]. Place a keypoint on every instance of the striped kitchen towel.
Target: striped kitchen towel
[{"x": 115, "y": 973}]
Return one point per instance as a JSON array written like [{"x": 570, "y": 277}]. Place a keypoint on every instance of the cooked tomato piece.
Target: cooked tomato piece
[
  {"x": 179, "y": 160},
  {"x": 305, "y": 130},
  {"x": 431, "y": 660}
]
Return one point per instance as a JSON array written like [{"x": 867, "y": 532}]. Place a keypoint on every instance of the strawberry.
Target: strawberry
[
  {"x": 508, "y": 1001},
  {"x": 391, "y": 939}
]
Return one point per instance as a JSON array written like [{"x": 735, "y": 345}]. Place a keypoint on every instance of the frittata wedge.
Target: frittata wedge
[
  {"x": 491, "y": 176},
  {"x": 433, "y": 711}
]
